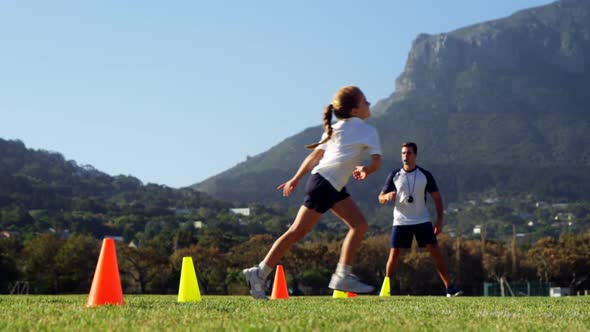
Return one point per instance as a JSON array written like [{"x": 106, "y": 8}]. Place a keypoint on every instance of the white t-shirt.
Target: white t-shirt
[
  {"x": 351, "y": 138},
  {"x": 416, "y": 184}
]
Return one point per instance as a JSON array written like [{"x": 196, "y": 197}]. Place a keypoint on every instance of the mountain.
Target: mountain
[
  {"x": 500, "y": 105},
  {"x": 40, "y": 190}
]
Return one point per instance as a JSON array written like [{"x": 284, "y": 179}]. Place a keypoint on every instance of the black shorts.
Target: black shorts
[
  {"x": 402, "y": 235},
  {"x": 320, "y": 195}
]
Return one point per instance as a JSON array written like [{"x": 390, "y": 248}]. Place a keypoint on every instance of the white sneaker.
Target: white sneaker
[
  {"x": 349, "y": 283},
  {"x": 453, "y": 291},
  {"x": 255, "y": 282}
]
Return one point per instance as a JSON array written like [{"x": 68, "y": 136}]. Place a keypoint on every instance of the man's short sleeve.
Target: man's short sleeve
[
  {"x": 389, "y": 186},
  {"x": 431, "y": 185}
]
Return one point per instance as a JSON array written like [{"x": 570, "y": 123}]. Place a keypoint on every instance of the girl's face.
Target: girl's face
[{"x": 362, "y": 110}]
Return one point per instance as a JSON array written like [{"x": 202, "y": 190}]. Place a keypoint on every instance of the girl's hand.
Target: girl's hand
[
  {"x": 288, "y": 187},
  {"x": 360, "y": 173}
]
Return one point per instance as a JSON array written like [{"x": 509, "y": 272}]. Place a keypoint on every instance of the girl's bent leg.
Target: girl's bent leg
[
  {"x": 342, "y": 279},
  {"x": 305, "y": 220},
  {"x": 349, "y": 213}
]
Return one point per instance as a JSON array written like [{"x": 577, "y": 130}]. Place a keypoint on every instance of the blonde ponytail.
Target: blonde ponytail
[
  {"x": 345, "y": 100},
  {"x": 327, "y": 127}
]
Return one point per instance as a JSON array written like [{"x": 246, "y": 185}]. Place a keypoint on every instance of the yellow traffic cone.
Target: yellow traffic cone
[
  {"x": 189, "y": 286},
  {"x": 339, "y": 294},
  {"x": 385, "y": 289}
]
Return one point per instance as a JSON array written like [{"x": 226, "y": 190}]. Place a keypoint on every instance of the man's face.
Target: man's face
[{"x": 408, "y": 155}]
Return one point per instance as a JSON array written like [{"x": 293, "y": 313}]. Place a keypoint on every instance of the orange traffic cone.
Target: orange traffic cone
[
  {"x": 106, "y": 285},
  {"x": 350, "y": 294},
  {"x": 279, "y": 288}
]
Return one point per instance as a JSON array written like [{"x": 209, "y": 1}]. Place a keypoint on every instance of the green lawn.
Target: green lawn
[{"x": 364, "y": 313}]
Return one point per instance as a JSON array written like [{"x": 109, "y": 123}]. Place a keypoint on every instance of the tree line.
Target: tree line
[
  {"x": 56, "y": 210},
  {"x": 54, "y": 265}
]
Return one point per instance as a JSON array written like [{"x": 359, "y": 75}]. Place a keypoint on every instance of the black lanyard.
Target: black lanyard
[{"x": 411, "y": 198}]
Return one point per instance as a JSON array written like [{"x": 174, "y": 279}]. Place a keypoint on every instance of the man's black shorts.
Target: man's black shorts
[{"x": 402, "y": 235}]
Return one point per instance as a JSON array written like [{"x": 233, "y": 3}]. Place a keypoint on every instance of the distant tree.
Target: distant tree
[
  {"x": 210, "y": 266},
  {"x": 496, "y": 260},
  {"x": 545, "y": 256},
  {"x": 129, "y": 225},
  {"x": 143, "y": 270},
  {"x": 75, "y": 262},
  {"x": 562, "y": 261},
  {"x": 470, "y": 269},
  {"x": 8, "y": 268},
  {"x": 39, "y": 265},
  {"x": 16, "y": 218},
  {"x": 219, "y": 237}
]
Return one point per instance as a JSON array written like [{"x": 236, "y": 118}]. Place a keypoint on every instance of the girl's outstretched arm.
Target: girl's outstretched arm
[
  {"x": 361, "y": 172},
  {"x": 308, "y": 163}
]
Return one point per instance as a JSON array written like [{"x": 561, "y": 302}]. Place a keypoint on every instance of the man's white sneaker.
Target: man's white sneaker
[
  {"x": 453, "y": 291},
  {"x": 255, "y": 282},
  {"x": 349, "y": 283}
]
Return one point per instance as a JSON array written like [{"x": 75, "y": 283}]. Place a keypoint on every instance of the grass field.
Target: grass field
[{"x": 364, "y": 313}]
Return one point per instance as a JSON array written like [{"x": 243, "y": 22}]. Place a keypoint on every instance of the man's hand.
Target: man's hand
[
  {"x": 384, "y": 198},
  {"x": 438, "y": 227}
]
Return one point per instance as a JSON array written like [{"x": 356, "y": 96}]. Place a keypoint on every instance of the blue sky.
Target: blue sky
[{"x": 173, "y": 92}]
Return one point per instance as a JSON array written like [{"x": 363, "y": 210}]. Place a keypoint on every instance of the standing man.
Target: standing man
[{"x": 407, "y": 188}]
